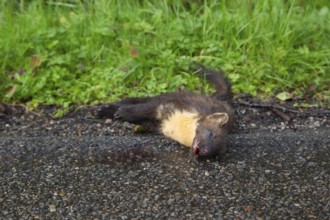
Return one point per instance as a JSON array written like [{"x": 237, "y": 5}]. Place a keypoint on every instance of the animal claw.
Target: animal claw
[{"x": 117, "y": 116}]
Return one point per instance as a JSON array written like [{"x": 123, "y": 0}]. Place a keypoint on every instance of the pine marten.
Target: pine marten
[{"x": 194, "y": 120}]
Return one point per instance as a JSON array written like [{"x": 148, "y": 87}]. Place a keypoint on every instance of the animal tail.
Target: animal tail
[{"x": 217, "y": 78}]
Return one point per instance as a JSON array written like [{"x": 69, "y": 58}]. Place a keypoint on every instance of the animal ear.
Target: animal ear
[{"x": 220, "y": 118}]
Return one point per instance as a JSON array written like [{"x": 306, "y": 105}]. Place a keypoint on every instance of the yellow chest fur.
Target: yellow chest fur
[{"x": 181, "y": 126}]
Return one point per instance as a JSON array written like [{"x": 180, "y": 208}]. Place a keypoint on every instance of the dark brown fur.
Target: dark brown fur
[{"x": 213, "y": 127}]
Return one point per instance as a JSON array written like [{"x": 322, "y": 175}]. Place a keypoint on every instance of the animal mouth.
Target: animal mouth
[
  {"x": 197, "y": 149},
  {"x": 200, "y": 151}
]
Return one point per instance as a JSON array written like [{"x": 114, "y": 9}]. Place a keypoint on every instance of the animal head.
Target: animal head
[{"x": 211, "y": 135}]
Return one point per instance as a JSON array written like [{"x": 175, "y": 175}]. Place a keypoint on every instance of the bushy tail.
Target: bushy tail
[{"x": 217, "y": 78}]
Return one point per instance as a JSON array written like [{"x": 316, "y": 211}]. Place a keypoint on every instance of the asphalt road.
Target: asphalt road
[{"x": 265, "y": 175}]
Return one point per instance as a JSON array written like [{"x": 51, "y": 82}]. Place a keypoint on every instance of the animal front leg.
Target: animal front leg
[
  {"x": 136, "y": 114},
  {"x": 109, "y": 110}
]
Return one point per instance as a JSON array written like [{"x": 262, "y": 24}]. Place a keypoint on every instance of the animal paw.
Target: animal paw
[
  {"x": 129, "y": 114},
  {"x": 122, "y": 114},
  {"x": 106, "y": 111}
]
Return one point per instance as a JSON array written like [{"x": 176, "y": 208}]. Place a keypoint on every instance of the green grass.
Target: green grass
[{"x": 69, "y": 52}]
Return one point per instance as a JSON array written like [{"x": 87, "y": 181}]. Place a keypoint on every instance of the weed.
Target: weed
[{"x": 79, "y": 52}]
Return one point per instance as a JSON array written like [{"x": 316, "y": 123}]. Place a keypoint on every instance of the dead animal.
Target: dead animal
[{"x": 194, "y": 120}]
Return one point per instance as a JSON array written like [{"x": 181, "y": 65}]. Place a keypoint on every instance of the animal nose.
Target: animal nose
[{"x": 202, "y": 151}]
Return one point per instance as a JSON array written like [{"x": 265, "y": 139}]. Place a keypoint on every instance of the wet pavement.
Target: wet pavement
[{"x": 265, "y": 175}]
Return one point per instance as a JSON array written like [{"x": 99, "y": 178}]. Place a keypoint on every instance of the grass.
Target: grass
[{"x": 87, "y": 52}]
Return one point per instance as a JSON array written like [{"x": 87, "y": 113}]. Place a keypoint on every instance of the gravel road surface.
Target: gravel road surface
[{"x": 62, "y": 169}]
